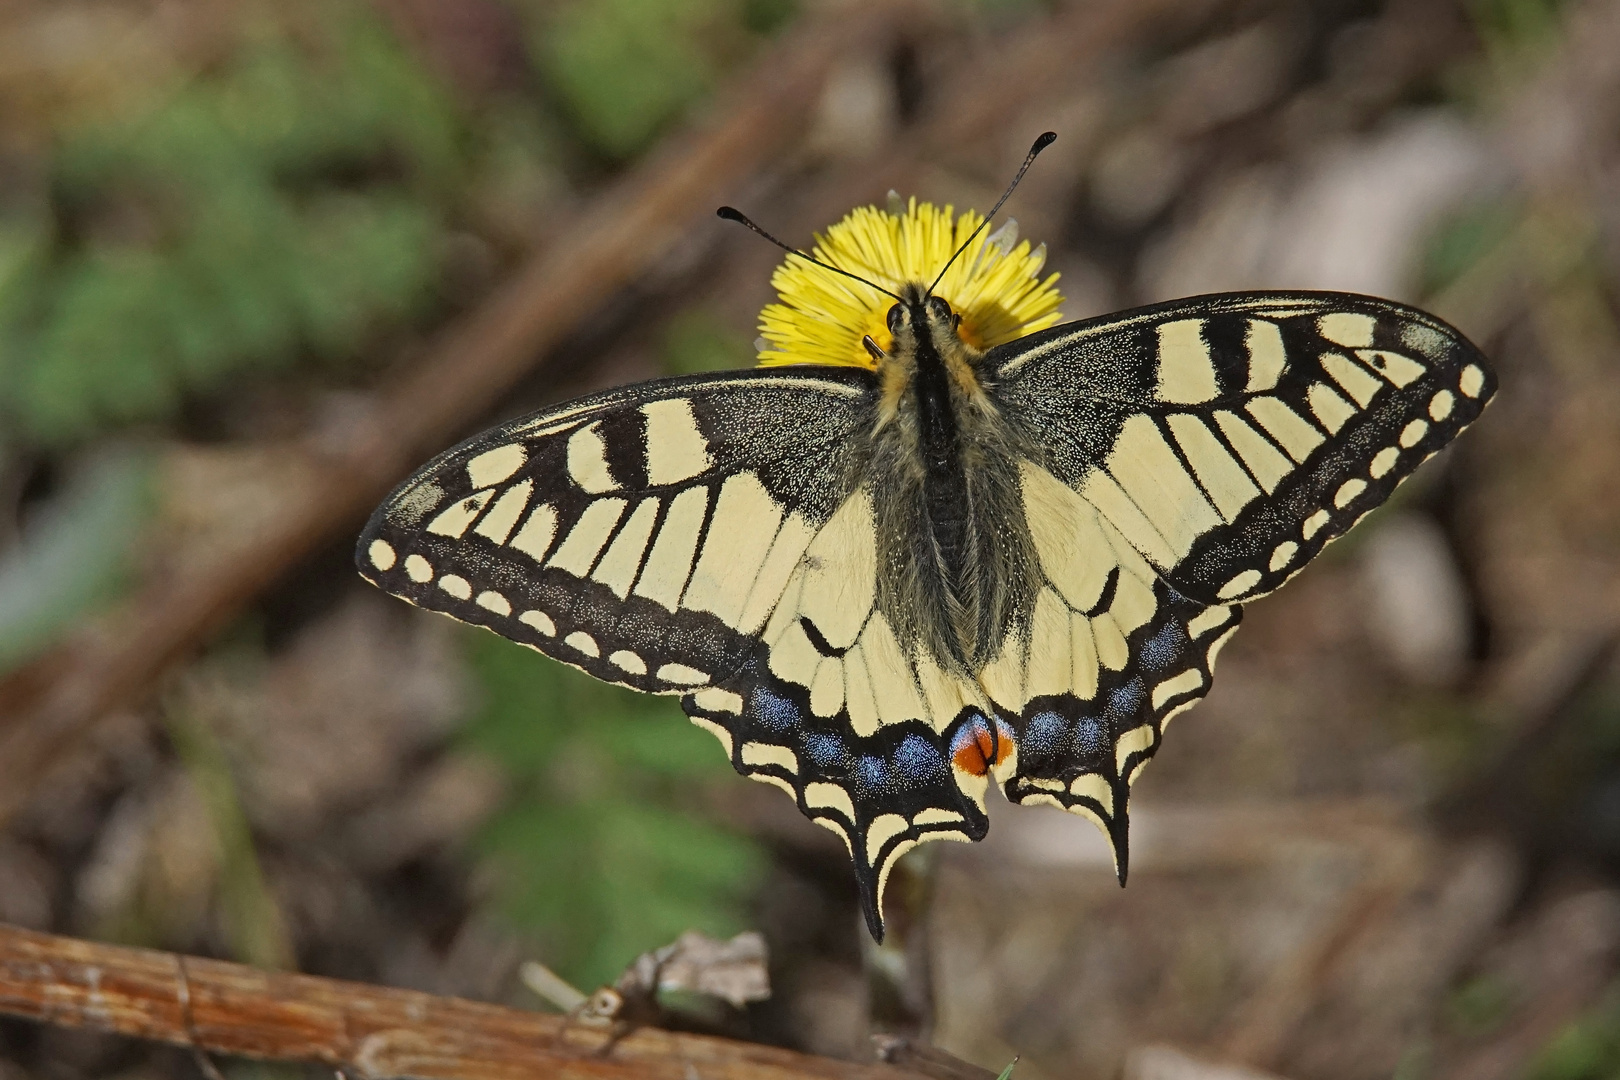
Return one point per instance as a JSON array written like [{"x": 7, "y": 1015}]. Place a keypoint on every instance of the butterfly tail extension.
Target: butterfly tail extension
[
  {"x": 880, "y": 789},
  {"x": 1081, "y": 749},
  {"x": 1119, "y": 838}
]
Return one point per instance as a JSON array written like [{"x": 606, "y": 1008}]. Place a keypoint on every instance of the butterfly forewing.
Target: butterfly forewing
[
  {"x": 1230, "y": 437},
  {"x": 642, "y": 535}
]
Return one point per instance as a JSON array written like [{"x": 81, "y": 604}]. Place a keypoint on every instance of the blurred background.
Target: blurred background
[{"x": 259, "y": 259}]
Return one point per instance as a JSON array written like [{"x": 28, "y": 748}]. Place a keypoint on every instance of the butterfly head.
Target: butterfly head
[
  {"x": 920, "y": 317},
  {"x": 925, "y": 336}
]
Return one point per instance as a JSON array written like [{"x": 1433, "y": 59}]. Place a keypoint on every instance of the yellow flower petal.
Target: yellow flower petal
[{"x": 994, "y": 285}]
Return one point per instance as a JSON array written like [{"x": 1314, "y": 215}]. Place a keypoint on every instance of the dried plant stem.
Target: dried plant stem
[{"x": 372, "y": 1031}]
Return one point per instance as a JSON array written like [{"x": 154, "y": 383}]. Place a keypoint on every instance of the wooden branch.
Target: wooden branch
[{"x": 372, "y": 1031}]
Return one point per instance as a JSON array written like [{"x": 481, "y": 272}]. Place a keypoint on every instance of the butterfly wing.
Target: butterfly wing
[
  {"x": 1111, "y": 651},
  {"x": 642, "y": 535},
  {"x": 695, "y": 537},
  {"x": 1230, "y": 437},
  {"x": 1197, "y": 454}
]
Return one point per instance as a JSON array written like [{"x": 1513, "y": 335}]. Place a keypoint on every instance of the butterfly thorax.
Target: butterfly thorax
[{"x": 942, "y": 466}]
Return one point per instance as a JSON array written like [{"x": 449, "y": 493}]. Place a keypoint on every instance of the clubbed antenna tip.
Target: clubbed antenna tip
[{"x": 1046, "y": 139}]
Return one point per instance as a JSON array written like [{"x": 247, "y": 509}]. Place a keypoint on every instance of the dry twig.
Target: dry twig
[
  {"x": 222, "y": 1008},
  {"x": 929, "y": 1060}
]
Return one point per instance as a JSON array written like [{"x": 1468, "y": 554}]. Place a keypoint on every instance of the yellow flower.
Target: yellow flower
[{"x": 822, "y": 316}]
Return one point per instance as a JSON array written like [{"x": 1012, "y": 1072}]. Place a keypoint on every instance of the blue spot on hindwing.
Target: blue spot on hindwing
[
  {"x": 1089, "y": 737},
  {"x": 1164, "y": 648},
  {"x": 1042, "y": 735},
  {"x": 827, "y": 750},
  {"x": 773, "y": 711},
  {"x": 871, "y": 777},
  {"x": 918, "y": 761},
  {"x": 1124, "y": 703}
]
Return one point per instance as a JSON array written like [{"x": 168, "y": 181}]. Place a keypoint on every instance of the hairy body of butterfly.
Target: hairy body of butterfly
[
  {"x": 880, "y": 590},
  {"x": 942, "y": 465}
]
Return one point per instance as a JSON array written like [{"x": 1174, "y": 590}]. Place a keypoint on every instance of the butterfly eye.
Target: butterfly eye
[
  {"x": 939, "y": 308},
  {"x": 897, "y": 319}
]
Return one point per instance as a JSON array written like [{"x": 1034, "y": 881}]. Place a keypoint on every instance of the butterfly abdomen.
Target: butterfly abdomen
[{"x": 945, "y": 500}]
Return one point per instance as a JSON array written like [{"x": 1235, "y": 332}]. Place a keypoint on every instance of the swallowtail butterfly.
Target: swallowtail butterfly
[{"x": 881, "y": 588}]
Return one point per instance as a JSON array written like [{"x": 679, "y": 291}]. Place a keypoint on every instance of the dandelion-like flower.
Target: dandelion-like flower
[{"x": 995, "y": 285}]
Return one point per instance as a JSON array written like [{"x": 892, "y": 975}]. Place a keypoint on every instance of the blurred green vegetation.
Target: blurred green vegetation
[
  {"x": 74, "y": 552},
  {"x": 624, "y": 68},
  {"x": 1466, "y": 239},
  {"x": 697, "y": 340},
  {"x": 599, "y": 853},
  {"x": 1479, "y": 1006},
  {"x": 290, "y": 204},
  {"x": 293, "y": 203},
  {"x": 1588, "y": 1049},
  {"x": 253, "y": 923},
  {"x": 1509, "y": 27}
]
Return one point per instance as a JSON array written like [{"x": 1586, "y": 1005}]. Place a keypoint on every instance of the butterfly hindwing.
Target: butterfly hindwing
[
  {"x": 881, "y": 792},
  {"x": 1230, "y": 437},
  {"x": 1107, "y": 654},
  {"x": 873, "y": 739},
  {"x": 642, "y": 535},
  {"x": 1080, "y": 747}
]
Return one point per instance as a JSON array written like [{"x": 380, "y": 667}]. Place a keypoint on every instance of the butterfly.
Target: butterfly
[{"x": 882, "y": 587}]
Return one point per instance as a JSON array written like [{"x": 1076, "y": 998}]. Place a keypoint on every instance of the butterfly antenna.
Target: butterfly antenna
[
  {"x": 731, "y": 213},
  {"x": 1041, "y": 143}
]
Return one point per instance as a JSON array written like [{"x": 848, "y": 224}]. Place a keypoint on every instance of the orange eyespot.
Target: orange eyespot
[
  {"x": 973, "y": 755},
  {"x": 977, "y": 749}
]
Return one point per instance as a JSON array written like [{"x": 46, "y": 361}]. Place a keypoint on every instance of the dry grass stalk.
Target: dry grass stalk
[{"x": 371, "y": 1031}]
